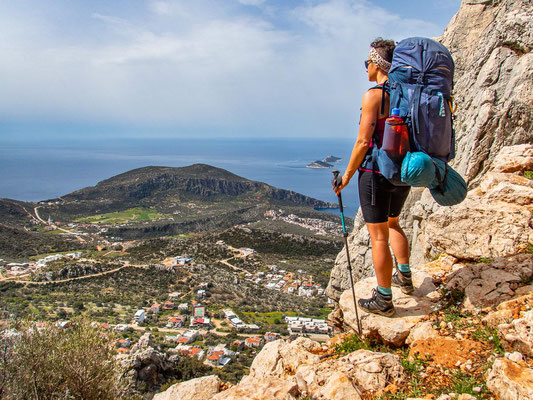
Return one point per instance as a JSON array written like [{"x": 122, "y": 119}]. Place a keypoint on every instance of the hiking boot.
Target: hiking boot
[
  {"x": 403, "y": 281},
  {"x": 378, "y": 304}
]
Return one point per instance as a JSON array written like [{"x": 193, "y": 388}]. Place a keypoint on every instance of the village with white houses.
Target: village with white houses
[
  {"x": 185, "y": 323},
  {"x": 25, "y": 268},
  {"x": 319, "y": 226},
  {"x": 185, "y": 328}
]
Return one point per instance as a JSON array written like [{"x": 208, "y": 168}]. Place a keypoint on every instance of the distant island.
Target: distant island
[
  {"x": 324, "y": 163},
  {"x": 320, "y": 164},
  {"x": 331, "y": 159}
]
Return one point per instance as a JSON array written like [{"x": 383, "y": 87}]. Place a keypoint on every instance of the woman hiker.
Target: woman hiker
[{"x": 381, "y": 215}]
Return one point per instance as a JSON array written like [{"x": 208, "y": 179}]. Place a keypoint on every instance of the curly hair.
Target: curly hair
[{"x": 384, "y": 48}]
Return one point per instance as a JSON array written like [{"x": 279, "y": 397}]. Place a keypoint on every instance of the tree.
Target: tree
[{"x": 78, "y": 305}]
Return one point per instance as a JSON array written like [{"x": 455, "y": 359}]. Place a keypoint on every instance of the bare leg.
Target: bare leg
[
  {"x": 381, "y": 256},
  {"x": 398, "y": 241}
]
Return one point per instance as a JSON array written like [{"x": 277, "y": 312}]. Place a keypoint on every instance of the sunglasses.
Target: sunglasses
[{"x": 367, "y": 63}]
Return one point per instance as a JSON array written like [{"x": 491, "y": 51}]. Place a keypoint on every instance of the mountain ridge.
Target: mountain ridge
[{"x": 199, "y": 182}]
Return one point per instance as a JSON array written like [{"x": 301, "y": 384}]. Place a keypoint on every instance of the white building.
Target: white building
[
  {"x": 235, "y": 321},
  {"x": 305, "y": 292},
  {"x": 121, "y": 328},
  {"x": 140, "y": 316},
  {"x": 245, "y": 251}
]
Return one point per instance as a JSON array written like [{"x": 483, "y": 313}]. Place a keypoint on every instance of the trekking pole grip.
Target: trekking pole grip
[{"x": 336, "y": 182}]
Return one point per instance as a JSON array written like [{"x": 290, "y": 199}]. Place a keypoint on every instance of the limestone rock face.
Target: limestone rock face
[
  {"x": 491, "y": 43},
  {"x": 355, "y": 373},
  {"x": 281, "y": 358},
  {"x": 442, "y": 266},
  {"x": 510, "y": 381},
  {"x": 512, "y": 309},
  {"x": 489, "y": 284},
  {"x": 513, "y": 159},
  {"x": 422, "y": 330},
  {"x": 410, "y": 309},
  {"x": 194, "y": 389},
  {"x": 146, "y": 365},
  {"x": 146, "y": 340},
  {"x": 338, "y": 387},
  {"x": 496, "y": 218},
  {"x": 260, "y": 389},
  {"x": 518, "y": 334},
  {"x": 290, "y": 370}
]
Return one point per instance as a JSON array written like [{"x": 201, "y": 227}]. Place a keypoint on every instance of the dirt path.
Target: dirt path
[
  {"x": 55, "y": 226},
  {"x": 225, "y": 262},
  {"x": 38, "y": 216}
]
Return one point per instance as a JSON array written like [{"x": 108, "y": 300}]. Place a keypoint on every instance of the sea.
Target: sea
[{"x": 41, "y": 169}]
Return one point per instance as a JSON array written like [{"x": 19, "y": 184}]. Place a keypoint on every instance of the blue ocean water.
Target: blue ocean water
[{"x": 34, "y": 170}]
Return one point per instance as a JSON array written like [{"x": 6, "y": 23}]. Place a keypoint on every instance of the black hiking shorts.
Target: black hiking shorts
[{"x": 389, "y": 199}]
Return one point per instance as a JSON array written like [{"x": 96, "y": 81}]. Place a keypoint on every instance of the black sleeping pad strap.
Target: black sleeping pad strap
[
  {"x": 382, "y": 100},
  {"x": 440, "y": 180}
]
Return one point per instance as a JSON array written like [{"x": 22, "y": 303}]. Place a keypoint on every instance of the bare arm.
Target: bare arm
[{"x": 369, "y": 112}]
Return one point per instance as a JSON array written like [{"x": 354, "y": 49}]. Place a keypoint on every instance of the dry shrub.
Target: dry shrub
[{"x": 52, "y": 363}]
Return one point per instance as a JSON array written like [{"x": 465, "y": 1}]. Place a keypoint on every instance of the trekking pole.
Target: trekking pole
[{"x": 336, "y": 183}]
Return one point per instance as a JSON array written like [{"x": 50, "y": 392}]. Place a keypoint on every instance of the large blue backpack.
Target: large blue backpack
[{"x": 421, "y": 80}]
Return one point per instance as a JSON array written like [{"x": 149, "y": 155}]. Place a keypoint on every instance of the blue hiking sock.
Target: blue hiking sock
[
  {"x": 404, "y": 268},
  {"x": 387, "y": 291}
]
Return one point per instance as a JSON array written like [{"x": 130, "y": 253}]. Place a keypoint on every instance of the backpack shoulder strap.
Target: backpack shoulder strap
[{"x": 385, "y": 88}]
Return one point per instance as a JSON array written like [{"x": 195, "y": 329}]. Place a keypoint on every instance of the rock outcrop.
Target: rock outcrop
[
  {"x": 195, "y": 389},
  {"x": 410, "y": 309},
  {"x": 510, "y": 381},
  {"x": 489, "y": 284},
  {"x": 514, "y": 321},
  {"x": 290, "y": 370},
  {"x": 496, "y": 218},
  {"x": 146, "y": 367},
  {"x": 495, "y": 221}
]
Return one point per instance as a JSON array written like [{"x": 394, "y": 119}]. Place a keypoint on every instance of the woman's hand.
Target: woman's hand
[{"x": 344, "y": 183}]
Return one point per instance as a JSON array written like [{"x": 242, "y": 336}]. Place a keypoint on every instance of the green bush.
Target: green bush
[{"x": 72, "y": 363}]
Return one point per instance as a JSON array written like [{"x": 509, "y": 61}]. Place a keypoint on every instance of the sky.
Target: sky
[{"x": 195, "y": 68}]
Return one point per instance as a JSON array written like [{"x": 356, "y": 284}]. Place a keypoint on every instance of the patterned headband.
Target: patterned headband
[{"x": 378, "y": 60}]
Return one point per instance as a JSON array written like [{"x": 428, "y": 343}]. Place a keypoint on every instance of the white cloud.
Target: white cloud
[
  {"x": 201, "y": 65},
  {"x": 252, "y": 2}
]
